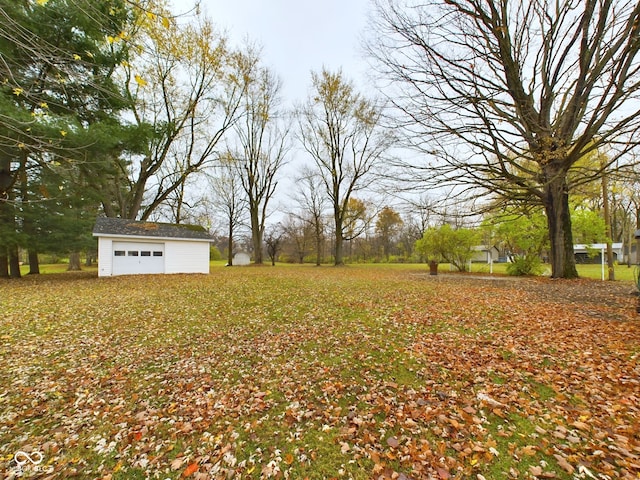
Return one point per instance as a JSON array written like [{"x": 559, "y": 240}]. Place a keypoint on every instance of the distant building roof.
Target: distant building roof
[
  {"x": 595, "y": 246},
  {"x": 132, "y": 228}
]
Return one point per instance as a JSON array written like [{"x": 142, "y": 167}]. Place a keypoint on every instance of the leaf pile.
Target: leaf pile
[{"x": 319, "y": 373}]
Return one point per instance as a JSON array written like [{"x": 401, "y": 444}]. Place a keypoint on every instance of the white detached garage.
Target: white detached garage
[{"x": 128, "y": 247}]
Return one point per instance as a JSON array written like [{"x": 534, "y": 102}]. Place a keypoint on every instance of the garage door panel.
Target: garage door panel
[{"x": 131, "y": 258}]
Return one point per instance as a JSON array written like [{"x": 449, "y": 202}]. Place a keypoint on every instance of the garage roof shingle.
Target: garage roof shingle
[{"x": 122, "y": 226}]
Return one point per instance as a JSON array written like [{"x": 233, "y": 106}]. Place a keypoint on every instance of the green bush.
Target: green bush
[
  {"x": 214, "y": 253},
  {"x": 448, "y": 245},
  {"x": 525, "y": 265}
]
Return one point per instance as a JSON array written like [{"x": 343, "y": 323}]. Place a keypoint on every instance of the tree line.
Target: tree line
[
  {"x": 414, "y": 233},
  {"x": 513, "y": 111}
]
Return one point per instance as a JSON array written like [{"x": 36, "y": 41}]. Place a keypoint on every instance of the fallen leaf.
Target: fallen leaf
[
  {"x": 443, "y": 473},
  {"x": 190, "y": 470},
  {"x": 393, "y": 442},
  {"x": 177, "y": 464},
  {"x": 535, "y": 470},
  {"x": 566, "y": 466}
]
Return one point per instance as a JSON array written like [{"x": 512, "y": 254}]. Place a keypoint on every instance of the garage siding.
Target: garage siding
[{"x": 105, "y": 257}]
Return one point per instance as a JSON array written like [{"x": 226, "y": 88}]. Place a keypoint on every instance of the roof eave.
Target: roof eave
[{"x": 150, "y": 238}]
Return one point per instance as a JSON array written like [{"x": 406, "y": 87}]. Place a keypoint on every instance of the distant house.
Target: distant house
[
  {"x": 128, "y": 247},
  {"x": 594, "y": 253},
  {"x": 485, "y": 254}
]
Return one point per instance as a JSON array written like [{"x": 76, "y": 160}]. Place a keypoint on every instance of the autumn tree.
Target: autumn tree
[
  {"x": 388, "y": 225},
  {"x": 341, "y": 131},
  {"x": 505, "y": 97},
  {"x": 261, "y": 143},
  {"x": 185, "y": 95},
  {"x": 356, "y": 219}
]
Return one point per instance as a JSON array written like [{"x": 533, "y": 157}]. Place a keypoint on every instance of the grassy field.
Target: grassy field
[
  {"x": 357, "y": 372},
  {"x": 622, "y": 272}
]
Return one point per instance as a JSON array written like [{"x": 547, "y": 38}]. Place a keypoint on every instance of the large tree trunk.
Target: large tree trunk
[
  {"x": 74, "y": 262},
  {"x": 638, "y": 242},
  {"x": 556, "y": 205},
  {"x": 339, "y": 257},
  {"x": 34, "y": 263},
  {"x": 4, "y": 266},
  {"x": 606, "y": 212},
  {"x": 318, "y": 244},
  {"x": 256, "y": 236},
  {"x": 230, "y": 244},
  {"x": 14, "y": 263}
]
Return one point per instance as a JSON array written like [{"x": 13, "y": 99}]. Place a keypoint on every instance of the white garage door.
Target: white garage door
[{"x": 130, "y": 258}]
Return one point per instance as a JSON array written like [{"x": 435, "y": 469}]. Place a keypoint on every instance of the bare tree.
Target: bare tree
[
  {"x": 229, "y": 200},
  {"x": 506, "y": 96},
  {"x": 341, "y": 131},
  {"x": 273, "y": 240},
  {"x": 313, "y": 205},
  {"x": 298, "y": 235},
  {"x": 262, "y": 143}
]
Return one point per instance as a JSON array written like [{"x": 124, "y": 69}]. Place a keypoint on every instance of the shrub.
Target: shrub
[
  {"x": 525, "y": 265},
  {"x": 449, "y": 245},
  {"x": 214, "y": 253}
]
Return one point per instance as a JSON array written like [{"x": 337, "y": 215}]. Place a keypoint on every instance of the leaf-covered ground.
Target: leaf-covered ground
[{"x": 358, "y": 372}]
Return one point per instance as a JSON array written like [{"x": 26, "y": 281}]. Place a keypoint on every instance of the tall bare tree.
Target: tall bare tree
[
  {"x": 298, "y": 236},
  {"x": 312, "y": 202},
  {"x": 506, "y": 96},
  {"x": 229, "y": 199},
  {"x": 341, "y": 131},
  {"x": 262, "y": 143}
]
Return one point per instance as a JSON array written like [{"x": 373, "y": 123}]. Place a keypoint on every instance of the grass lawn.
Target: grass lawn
[
  {"x": 622, "y": 272},
  {"x": 357, "y": 372}
]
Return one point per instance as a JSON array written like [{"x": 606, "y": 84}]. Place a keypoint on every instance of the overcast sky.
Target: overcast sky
[{"x": 298, "y": 36}]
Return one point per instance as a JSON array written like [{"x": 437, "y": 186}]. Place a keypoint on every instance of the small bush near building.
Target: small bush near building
[
  {"x": 214, "y": 253},
  {"x": 525, "y": 265}
]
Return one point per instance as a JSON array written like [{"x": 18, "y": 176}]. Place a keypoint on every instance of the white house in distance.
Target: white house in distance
[
  {"x": 582, "y": 252},
  {"x": 128, "y": 247},
  {"x": 485, "y": 253}
]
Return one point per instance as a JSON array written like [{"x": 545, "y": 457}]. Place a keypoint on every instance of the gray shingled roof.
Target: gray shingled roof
[{"x": 123, "y": 226}]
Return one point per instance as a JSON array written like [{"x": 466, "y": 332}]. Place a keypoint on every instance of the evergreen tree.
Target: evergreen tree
[{"x": 58, "y": 60}]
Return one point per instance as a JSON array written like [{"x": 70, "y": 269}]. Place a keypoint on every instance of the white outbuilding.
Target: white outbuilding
[{"x": 128, "y": 247}]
